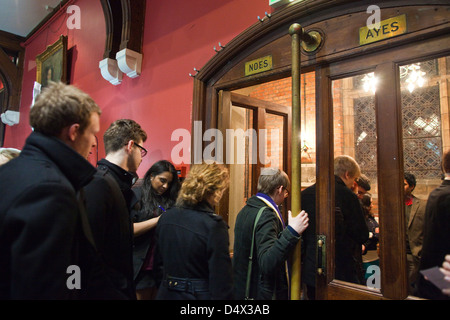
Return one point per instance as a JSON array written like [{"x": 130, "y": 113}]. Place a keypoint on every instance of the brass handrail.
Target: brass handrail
[{"x": 311, "y": 42}]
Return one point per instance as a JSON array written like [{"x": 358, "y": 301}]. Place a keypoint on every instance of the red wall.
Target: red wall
[{"x": 179, "y": 35}]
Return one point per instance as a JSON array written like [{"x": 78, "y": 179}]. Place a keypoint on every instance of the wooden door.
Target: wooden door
[
  {"x": 407, "y": 132},
  {"x": 255, "y": 134},
  {"x": 339, "y": 64}
]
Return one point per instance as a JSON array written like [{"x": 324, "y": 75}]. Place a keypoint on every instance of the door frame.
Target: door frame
[
  {"x": 226, "y": 100},
  {"x": 394, "y": 277},
  {"x": 423, "y": 40}
]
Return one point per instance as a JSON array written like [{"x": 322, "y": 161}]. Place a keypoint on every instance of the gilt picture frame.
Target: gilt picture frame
[{"x": 51, "y": 65}]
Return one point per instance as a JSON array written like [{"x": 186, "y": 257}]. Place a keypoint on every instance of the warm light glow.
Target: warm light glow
[
  {"x": 414, "y": 76},
  {"x": 370, "y": 82}
]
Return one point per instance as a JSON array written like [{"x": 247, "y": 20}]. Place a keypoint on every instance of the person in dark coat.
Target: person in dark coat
[
  {"x": 351, "y": 229},
  {"x": 157, "y": 194},
  {"x": 372, "y": 224},
  {"x": 436, "y": 240},
  {"x": 273, "y": 242},
  {"x": 192, "y": 254},
  {"x": 45, "y": 239},
  {"x": 108, "y": 200}
]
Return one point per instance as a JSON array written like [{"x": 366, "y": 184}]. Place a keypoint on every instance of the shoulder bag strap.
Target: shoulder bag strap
[{"x": 250, "y": 258}]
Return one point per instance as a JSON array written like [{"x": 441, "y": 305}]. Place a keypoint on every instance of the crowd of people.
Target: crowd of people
[{"x": 161, "y": 239}]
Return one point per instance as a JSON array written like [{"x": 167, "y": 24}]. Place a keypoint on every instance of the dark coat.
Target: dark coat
[
  {"x": 351, "y": 233},
  {"x": 41, "y": 228},
  {"x": 110, "y": 222},
  {"x": 436, "y": 241},
  {"x": 309, "y": 239},
  {"x": 193, "y": 243},
  {"x": 143, "y": 245},
  {"x": 372, "y": 224},
  {"x": 123, "y": 178},
  {"x": 272, "y": 247}
]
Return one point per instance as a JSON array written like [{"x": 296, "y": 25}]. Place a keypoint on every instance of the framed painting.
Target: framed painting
[{"x": 51, "y": 64}]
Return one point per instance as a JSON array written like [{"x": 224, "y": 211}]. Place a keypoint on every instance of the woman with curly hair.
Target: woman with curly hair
[
  {"x": 192, "y": 241},
  {"x": 158, "y": 193}
]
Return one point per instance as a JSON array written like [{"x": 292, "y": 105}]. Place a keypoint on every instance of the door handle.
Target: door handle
[{"x": 321, "y": 254}]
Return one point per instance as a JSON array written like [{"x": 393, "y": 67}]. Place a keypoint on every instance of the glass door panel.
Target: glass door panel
[
  {"x": 241, "y": 172},
  {"x": 425, "y": 120},
  {"x": 274, "y": 136},
  {"x": 355, "y": 135}
]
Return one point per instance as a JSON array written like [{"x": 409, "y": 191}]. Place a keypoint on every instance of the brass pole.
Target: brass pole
[{"x": 296, "y": 31}]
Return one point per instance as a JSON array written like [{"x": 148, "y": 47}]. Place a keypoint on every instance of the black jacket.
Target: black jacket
[
  {"x": 41, "y": 229},
  {"x": 272, "y": 247},
  {"x": 193, "y": 243},
  {"x": 351, "y": 232},
  {"x": 110, "y": 222},
  {"x": 123, "y": 178},
  {"x": 436, "y": 240},
  {"x": 144, "y": 244}
]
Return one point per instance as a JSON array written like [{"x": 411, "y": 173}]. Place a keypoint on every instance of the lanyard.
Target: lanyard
[{"x": 269, "y": 201}]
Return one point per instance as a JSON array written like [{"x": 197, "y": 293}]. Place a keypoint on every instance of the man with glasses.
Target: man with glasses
[
  {"x": 109, "y": 198},
  {"x": 273, "y": 240}
]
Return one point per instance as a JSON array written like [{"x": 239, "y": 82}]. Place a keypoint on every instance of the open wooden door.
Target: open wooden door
[{"x": 255, "y": 135}]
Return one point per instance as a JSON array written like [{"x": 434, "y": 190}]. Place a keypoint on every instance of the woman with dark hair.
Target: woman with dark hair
[
  {"x": 372, "y": 224},
  {"x": 157, "y": 194}
]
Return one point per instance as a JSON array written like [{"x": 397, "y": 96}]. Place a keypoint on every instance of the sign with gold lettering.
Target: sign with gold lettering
[
  {"x": 388, "y": 28},
  {"x": 258, "y": 65}
]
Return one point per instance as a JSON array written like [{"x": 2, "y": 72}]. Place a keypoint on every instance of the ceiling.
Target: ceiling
[{"x": 20, "y": 17}]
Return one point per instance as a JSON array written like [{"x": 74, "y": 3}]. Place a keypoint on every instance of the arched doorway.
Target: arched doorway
[{"x": 382, "y": 128}]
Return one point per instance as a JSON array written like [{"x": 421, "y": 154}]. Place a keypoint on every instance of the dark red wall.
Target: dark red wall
[{"x": 178, "y": 36}]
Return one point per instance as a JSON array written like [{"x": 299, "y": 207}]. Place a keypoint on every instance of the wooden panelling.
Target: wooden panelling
[
  {"x": 341, "y": 56},
  {"x": 11, "y": 70},
  {"x": 124, "y": 21},
  {"x": 342, "y": 40}
]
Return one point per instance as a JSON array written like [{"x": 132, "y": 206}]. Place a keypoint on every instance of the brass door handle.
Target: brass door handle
[{"x": 321, "y": 255}]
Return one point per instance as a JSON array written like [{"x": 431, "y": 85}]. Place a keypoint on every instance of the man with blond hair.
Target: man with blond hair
[
  {"x": 350, "y": 227},
  {"x": 46, "y": 245}
]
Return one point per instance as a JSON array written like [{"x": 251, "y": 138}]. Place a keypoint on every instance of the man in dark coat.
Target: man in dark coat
[
  {"x": 46, "y": 246},
  {"x": 108, "y": 200},
  {"x": 273, "y": 240},
  {"x": 436, "y": 241},
  {"x": 350, "y": 226}
]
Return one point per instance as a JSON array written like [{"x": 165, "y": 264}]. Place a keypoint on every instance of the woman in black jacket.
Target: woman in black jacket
[
  {"x": 158, "y": 193},
  {"x": 192, "y": 241}
]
